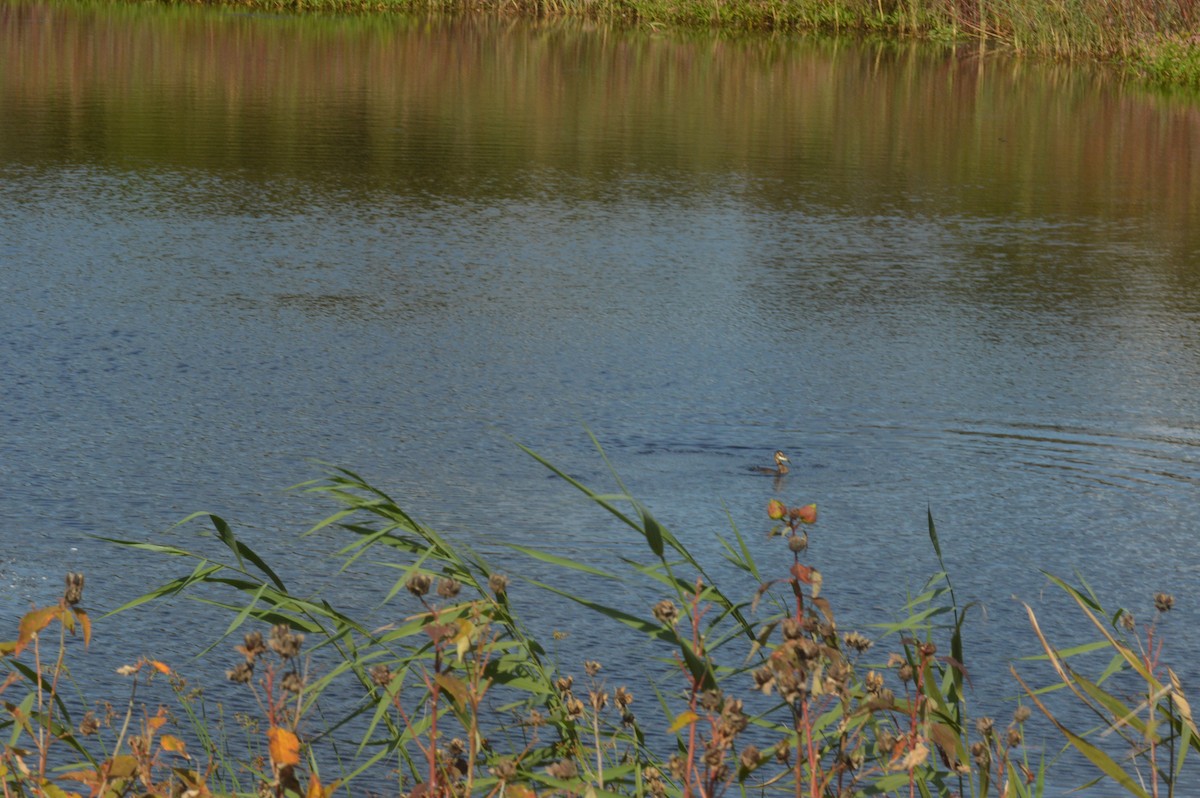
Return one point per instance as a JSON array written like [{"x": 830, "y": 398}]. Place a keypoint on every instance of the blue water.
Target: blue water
[{"x": 181, "y": 337}]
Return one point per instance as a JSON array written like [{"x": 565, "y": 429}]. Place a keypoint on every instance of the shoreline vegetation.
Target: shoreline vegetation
[
  {"x": 1156, "y": 41},
  {"x": 757, "y": 694}
]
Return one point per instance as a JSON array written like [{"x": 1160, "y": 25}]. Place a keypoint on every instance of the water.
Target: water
[{"x": 233, "y": 242}]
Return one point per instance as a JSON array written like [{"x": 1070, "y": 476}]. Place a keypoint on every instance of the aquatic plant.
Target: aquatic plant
[{"x": 763, "y": 694}]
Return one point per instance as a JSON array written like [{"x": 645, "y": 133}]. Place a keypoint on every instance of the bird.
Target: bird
[{"x": 781, "y": 461}]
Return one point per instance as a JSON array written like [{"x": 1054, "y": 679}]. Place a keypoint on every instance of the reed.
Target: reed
[
  {"x": 762, "y": 694},
  {"x": 1153, "y": 40}
]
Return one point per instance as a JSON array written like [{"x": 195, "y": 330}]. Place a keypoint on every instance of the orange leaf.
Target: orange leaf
[
  {"x": 317, "y": 790},
  {"x": 85, "y": 623},
  {"x": 285, "y": 746},
  {"x": 155, "y": 723},
  {"x": 161, "y": 667},
  {"x": 170, "y": 742},
  {"x": 34, "y": 622}
]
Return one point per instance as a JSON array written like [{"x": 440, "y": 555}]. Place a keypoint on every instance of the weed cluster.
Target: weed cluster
[{"x": 460, "y": 699}]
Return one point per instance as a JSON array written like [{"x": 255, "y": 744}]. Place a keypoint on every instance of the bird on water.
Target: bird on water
[{"x": 781, "y": 461}]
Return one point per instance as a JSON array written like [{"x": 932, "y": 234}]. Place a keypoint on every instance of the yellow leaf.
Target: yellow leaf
[
  {"x": 685, "y": 718},
  {"x": 122, "y": 766},
  {"x": 170, "y": 742},
  {"x": 285, "y": 746},
  {"x": 462, "y": 640},
  {"x": 519, "y": 791}
]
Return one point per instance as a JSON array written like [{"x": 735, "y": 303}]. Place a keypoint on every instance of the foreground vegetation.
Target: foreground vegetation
[
  {"x": 1155, "y": 40},
  {"x": 760, "y": 694}
]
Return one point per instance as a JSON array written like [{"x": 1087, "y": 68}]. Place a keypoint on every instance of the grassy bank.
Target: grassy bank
[
  {"x": 1154, "y": 40},
  {"x": 757, "y": 694}
]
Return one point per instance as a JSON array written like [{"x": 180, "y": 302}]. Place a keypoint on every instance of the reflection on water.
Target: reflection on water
[{"x": 936, "y": 278}]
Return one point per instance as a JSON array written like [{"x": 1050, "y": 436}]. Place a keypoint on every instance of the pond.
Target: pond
[{"x": 232, "y": 243}]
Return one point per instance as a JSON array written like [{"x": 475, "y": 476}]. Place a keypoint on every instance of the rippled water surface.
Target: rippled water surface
[{"x": 233, "y": 242}]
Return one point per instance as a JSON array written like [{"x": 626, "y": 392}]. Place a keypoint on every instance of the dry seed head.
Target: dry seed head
[
  {"x": 381, "y": 675},
  {"x": 797, "y": 543},
  {"x": 984, "y": 725},
  {"x": 982, "y": 755},
  {"x": 563, "y": 683},
  {"x": 711, "y": 700},
  {"x": 1014, "y": 737},
  {"x": 252, "y": 646},
  {"x": 873, "y": 682},
  {"x": 591, "y": 667},
  {"x": 73, "y": 592},
  {"x": 905, "y": 673},
  {"x": 448, "y": 588},
  {"x": 856, "y": 641},
  {"x": 764, "y": 680},
  {"x": 241, "y": 673},
  {"x": 505, "y": 770},
  {"x": 285, "y": 642},
  {"x": 1021, "y": 714},
  {"x": 666, "y": 613},
  {"x": 1163, "y": 602},
  {"x": 498, "y": 583},
  {"x": 419, "y": 584},
  {"x": 623, "y": 698},
  {"x": 792, "y": 629},
  {"x": 563, "y": 769},
  {"x": 748, "y": 758},
  {"x": 677, "y": 766},
  {"x": 1127, "y": 622},
  {"x": 89, "y": 725},
  {"x": 574, "y": 707},
  {"x": 598, "y": 699},
  {"x": 292, "y": 682}
]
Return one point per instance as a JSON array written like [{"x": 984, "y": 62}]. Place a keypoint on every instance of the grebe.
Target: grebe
[{"x": 781, "y": 461}]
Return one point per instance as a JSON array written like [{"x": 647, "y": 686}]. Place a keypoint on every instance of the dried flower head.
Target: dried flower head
[
  {"x": 666, "y": 613},
  {"x": 419, "y": 584},
  {"x": 448, "y": 588},
  {"x": 284, "y": 641},
  {"x": 73, "y": 592},
  {"x": 498, "y": 584},
  {"x": 984, "y": 725},
  {"x": 710, "y": 700},
  {"x": 797, "y": 543},
  {"x": 563, "y": 769},
  {"x": 241, "y": 673},
  {"x": 89, "y": 725},
  {"x": 591, "y": 667},
  {"x": 598, "y": 699},
  {"x": 1127, "y": 621},
  {"x": 748, "y": 758},
  {"x": 504, "y": 769},
  {"x": 292, "y": 682},
  {"x": 1014, "y": 737},
  {"x": 381, "y": 675},
  {"x": 563, "y": 683},
  {"x": 574, "y": 707},
  {"x": 1163, "y": 602},
  {"x": 873, "y": 682},
  {"x": 623, "y": 698},
  {"x": 252, "y": 646},
  {"x": 1021, "y": 714},
  {"x": 856, "y": 641}
]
